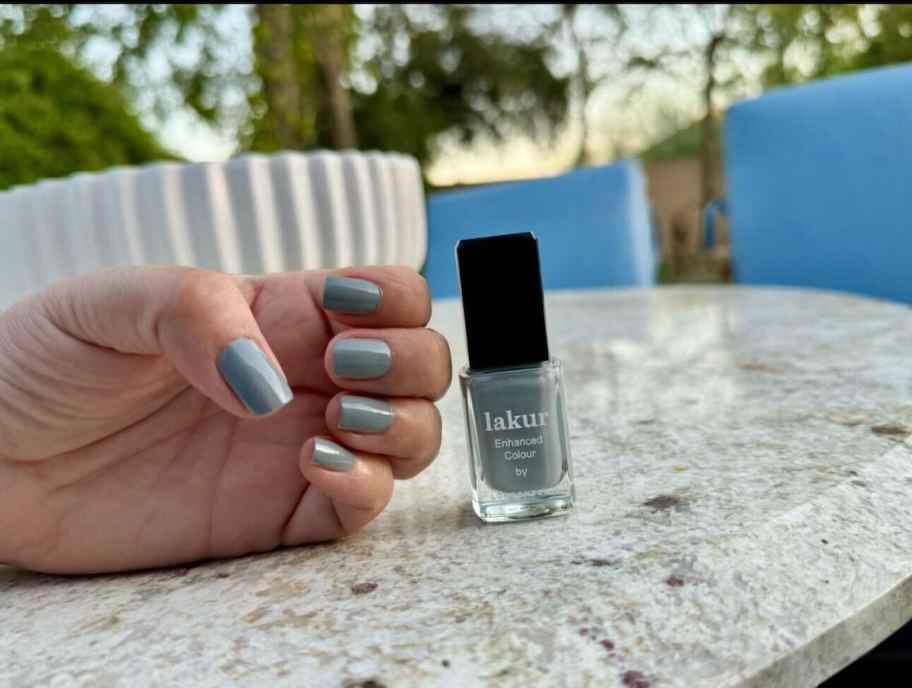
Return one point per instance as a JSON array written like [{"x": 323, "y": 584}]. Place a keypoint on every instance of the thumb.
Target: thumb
[{"x": 200, "y": 320}]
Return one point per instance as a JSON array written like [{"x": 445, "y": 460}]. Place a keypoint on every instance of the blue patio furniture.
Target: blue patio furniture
[
  {"x": 593, "y": 225},
  {"x": 819, "y": 181}
]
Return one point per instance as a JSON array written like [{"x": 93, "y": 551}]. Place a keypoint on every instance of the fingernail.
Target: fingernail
[
  {"x": 348, "y": 295},
  {"x": 364, "y": 358},
  {"x": 328, "y": 454},
  {"x": 256, "y": 381},
  {"x": 363, "y": 414}
]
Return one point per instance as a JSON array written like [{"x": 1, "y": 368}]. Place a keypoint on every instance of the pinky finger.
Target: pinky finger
[{"x": 347, "y": 491}]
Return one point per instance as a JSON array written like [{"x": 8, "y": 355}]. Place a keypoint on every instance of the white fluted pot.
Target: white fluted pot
[{"x": 254, "y": 214}]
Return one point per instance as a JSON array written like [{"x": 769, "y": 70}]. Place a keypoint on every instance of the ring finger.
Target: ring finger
[{"x": 406, "y": 430}]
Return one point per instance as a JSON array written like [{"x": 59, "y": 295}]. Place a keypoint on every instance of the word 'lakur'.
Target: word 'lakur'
[{"x": 515, "y": 422}]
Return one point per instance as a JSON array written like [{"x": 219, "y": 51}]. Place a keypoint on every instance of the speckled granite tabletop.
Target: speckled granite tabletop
[{"x": 744, "y": 477}]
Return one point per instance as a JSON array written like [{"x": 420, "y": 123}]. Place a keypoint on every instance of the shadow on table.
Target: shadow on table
[
  {"x": 11, "y": 577},
  {"x": 415, "y": 517},
  {"x": 889, "y": 664}
]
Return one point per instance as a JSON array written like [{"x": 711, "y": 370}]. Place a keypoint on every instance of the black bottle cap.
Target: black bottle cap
[{"x": 502, "y": 301}]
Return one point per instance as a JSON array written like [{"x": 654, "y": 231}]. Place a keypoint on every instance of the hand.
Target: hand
[{"x": 145, "y": 418}]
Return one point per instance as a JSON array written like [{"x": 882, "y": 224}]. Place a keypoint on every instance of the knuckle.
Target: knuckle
[
  {"x": 199, "y": 288},
  {"x": 443, "y": 366},
  {"x": 381, "y": 498},
  {"x": 412, "y": 283},
  {"x": 406, "y": 470},
  {"x": 425, "y": 441},
  {"x": 435, "y": 435},
  {"x": 425, "y": 297}
]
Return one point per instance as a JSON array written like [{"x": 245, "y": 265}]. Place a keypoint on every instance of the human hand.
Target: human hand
[{"x": 125, "y": 442}]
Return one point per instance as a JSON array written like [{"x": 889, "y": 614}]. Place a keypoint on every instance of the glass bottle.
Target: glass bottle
[{"x": 516, "y": 418}]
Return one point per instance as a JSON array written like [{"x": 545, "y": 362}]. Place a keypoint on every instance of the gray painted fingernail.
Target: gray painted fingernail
[
  {"x": 363, "y": 414},
  {"x": 364, "y": 358},
  {"x": 328, "y": 454},
  {"x": 256, "y": 381},
  {"x": 348, "y": 295}
]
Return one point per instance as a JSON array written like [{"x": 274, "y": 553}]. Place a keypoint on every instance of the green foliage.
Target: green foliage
[
  {"x": 34, "y": 25},
  {"x": 802, "y": 42},
  {"x": 807, "y": 41},
  {"x": 415, "y": 75},
  {"x": 439, "y": 75},
  {"x": 432, "y": 71},
  {"x": 56, "y": 118},
  {"x": 283, "y": 110},
  {"x": 137, "y": 31},
  {"x": 892, "y": 43},
  {"x": 290, "y": 106}
]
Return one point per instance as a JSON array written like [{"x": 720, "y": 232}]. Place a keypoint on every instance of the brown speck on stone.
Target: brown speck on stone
[
  {"x": 445, "y": 663},
  {"x": 675, "y": 581},
  {"x": 256, "y": 614},
  {"x": 634, "y": 679},
  {"x": 758, "y": 366},
  {"x": 222, "y": 574},
  {"x": 663, "y": 502},
  {"x": 588, "y": 632},
  {"x": 825, "y": 541},
  {"x": 594, "y": 561},
  {"x": 860, "y": 483},
  {"x": 363, "y": 588},
  {"x": 893, "y": 431},
  {"x": 607, "y": 644}
]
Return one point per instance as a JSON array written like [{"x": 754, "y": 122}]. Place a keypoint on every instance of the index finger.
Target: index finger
[{"x": 375, "y": 296}]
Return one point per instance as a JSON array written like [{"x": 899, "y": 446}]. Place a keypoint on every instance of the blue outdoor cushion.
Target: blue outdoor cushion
[
  {"x": 593, "y": 226},
  {"x": 819, "y": 183}
]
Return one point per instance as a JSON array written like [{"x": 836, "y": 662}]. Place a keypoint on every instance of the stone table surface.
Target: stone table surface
[{"x": 744, "y": 480}]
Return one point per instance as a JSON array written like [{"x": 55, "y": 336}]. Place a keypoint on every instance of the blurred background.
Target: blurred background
[{"x": 476, "y": 94}]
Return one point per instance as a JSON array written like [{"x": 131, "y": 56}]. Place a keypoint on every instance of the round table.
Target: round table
[{"x": 744, "y": 517}]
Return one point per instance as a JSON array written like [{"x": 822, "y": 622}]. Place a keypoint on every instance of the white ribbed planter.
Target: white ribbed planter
[{"x": 252, "y": 214}]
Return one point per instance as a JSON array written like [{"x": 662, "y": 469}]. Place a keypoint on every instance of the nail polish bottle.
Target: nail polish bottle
[{"x": 513, "y": 391}]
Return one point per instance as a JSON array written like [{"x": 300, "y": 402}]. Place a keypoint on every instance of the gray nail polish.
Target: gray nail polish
[
  {"x": 363, "y": 414},
  {"x": 328, "y": 454},
  {"x": 513, "y": 390},
  {"x": 260, "y": 387},
  {"x": 361, "y": 358},
  {"x": 348, "y": 295}
]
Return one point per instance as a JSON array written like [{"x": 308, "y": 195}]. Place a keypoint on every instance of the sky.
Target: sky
[{"x": 621, "y": 123}]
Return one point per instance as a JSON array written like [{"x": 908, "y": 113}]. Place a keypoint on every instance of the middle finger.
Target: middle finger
[{"x": 404, "y": 362}]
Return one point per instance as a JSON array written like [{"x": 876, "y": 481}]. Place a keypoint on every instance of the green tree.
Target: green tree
[
  {"x": 56, "y": 118},
  {"x": 716, "y": 32},
  {"x": 892, "y": 41},
  {"x": 439, "y": 74},
  {"x": 585, "y": 37},
  {"x": 793, "y": 43},
  {"x": 807, "y": 41},
  {"x": 396, "y": 78},
  {"x": 301, "y": 58}
]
